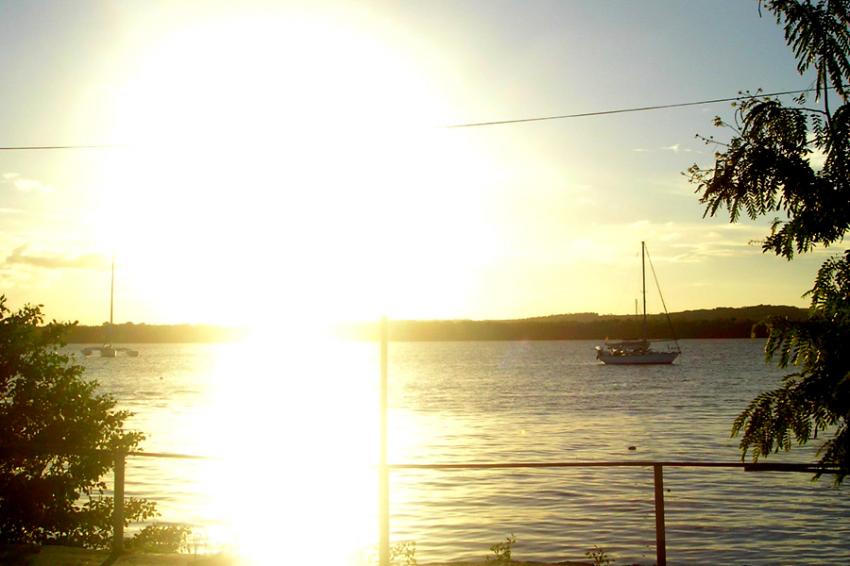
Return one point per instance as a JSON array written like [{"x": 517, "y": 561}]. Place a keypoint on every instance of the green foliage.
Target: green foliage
[
  {"x": 502, "y": 551},
  {"x": 403, "y": 554},
  {"x": 599, "y": 556},
  {"x": 161, "y": 538},
  {"x": 767, "y": 168},
  {"x": 93, "y": 525},
  {"x": 794, "y": 161},
  {"x": 59, "y": 437},
  {"x": 819, "y": 35},
  {"x": 817, "y": 396}
]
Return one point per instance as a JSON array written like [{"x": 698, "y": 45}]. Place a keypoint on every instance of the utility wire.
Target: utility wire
[
  {"x": 49, "y": 147},
  {"x": 478, "y": 124},
  {"x": 625, "y": 110}
]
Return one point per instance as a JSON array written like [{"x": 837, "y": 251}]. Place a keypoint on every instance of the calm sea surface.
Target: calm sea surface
[{"x": 290, "y": 431}]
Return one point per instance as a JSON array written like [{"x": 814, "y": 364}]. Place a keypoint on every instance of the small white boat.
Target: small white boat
[
  {"x": 107, "y": 350},
  {"x": 633, "y": 352},
  {"x": 638, "y": 352}
]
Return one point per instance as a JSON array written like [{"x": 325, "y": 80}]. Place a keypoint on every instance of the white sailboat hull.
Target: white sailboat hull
[
  {"x": 105, "y": 351},
  {"x": 648, "y": 358}
]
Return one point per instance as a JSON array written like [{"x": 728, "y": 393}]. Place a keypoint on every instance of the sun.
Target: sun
[{"x": 288, "y": 162}]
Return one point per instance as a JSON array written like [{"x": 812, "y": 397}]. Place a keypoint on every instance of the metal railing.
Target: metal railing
[
  {"x": 658, "y": 480},
  {"x": 118, "y": 490},
  {"x": 120, "y": 458},
  {"x": 119, "y": 466}
]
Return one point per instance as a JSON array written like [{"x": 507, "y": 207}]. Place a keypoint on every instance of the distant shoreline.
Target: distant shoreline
[{"x": 742, "y": 322}]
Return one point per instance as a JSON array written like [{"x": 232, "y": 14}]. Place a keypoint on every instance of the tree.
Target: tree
[
  {"x": 794, "y": 161},
  {"x": 58, "y": 439}
]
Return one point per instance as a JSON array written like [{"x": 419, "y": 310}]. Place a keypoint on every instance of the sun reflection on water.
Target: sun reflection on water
[{"x": 294, "y": 423}]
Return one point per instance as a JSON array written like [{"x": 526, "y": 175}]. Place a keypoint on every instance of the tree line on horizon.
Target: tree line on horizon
[
  {"x": 724, "y": 322},
  {"x": 744, "y": 322},
  {"x": 130, "y": 333}
]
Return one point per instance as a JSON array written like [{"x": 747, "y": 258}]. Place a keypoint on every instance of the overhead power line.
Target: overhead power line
[
  {"x": 625, "y": 110},
  {"x": 477, "y": 124},
  {"x": 47, "y": 147}
]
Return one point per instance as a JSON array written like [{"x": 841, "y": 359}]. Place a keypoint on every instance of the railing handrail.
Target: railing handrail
[
  {"x": 57, "y": 449},
  {"x": 748, "y": 466},
  {"x": 658, "y": 466}
]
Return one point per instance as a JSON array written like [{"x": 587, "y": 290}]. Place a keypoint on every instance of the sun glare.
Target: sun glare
[
  {"x": 290, "y": 166},
  {"x": 297, "y": 444}
]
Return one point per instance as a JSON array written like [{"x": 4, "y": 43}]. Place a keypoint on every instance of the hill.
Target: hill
[
  {"x": 721, "y": 322},
  {"x": 130, "y": 333},
  {"x": 743, "y": 322}
]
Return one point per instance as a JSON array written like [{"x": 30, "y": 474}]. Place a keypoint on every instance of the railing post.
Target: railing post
[
  {"x": 383, "y": 469},
  {"x": 660, "y": 534},
  {"x": 118, "y": 503}
]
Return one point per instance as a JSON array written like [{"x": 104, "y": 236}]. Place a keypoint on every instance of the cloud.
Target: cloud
[
  {"x": 675, "y": 148},
  {"x": 88, "y": 261},
  {"x": 583, "y": 195},
  {"x": 616, "y": 244},
  {"x": 676, "y": 242},
  {"x": 694, "y": 243},
  {"x": 24, "y": 184}
]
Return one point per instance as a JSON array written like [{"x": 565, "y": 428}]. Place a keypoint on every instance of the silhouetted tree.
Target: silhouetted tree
[
  {"x": 57, "y": 436},
  {"x": 793, "y": 161}
]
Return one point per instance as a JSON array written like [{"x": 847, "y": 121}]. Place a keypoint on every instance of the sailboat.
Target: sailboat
[
  {"x": 638, "y": 352},
  {"x": 107, "y": 350}
]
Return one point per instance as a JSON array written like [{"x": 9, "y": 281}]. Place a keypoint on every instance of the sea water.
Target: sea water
[{"x": 289, "y": 431}]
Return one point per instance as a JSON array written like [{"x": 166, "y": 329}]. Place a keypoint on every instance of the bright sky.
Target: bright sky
[{"x": 285, "y": 160}]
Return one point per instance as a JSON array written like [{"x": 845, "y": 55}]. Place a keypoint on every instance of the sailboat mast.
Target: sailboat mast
[
  {"x": 643, "y": 283},
  {"x": 112, "y": 292}
]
